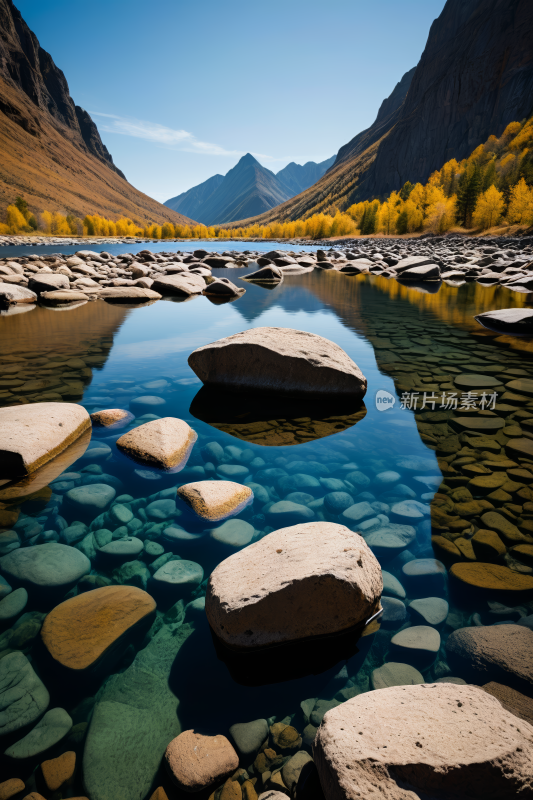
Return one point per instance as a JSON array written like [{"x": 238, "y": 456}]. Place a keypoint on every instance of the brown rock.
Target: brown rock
[
  {"x": 216, "y": 500},
  {"x": 513, "y": 701},
  {"x": 427, "y": 740},
  {"x": 159, "y": 794},
  {"x": 163, "y": 443},
  {"x": 278, "y": 360},
  {"x": 248, "y": 791},
  {"x": 31, "y": 435},
  {"x": 488, "y": 546},
  {"x": 509, "y": 532},
  {"x": 445, "y": 549},
  {"x": 499, "y": 653},
  {"x": 59, "y": 771},
  {"x": 110, "y": 417},
  {"x": 48, "y": 282},
  {"x": 491, "y": 577},
  {"x": 79, "y": 631},
  {"x": 10, "y": 788},
  {"x": 311, "y": 579},
  {"x": 35, "y": 796},
  {"x": 285, "y": 737},
  {"x": 231, "y": 790},
  {"x": 195, "y": 761}
]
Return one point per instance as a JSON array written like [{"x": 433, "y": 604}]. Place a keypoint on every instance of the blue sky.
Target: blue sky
[{"x": 181, "y": 90}]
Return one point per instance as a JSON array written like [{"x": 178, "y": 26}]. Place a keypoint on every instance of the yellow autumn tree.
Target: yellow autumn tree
[
  {"x": 489, "y": 208},
  {"x": 521, "y": 204},
  {"x": 16, "y": 222},
  {"x": 388, "y": 214}
]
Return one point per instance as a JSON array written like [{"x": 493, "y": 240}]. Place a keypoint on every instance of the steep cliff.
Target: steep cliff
[
  {"x": 474, "y": 77},
  {"x": 51, "y": 151}
]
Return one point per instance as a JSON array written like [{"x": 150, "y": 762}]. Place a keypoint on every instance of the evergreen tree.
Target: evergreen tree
[
  {"x": 470, "y": 188},
  {"x": 406, "y": 190},
  {"x": 401, "y": 222},
  {"x": 22, "y": 206}
]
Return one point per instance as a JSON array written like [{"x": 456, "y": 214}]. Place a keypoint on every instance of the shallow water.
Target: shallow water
[{"x": 403, "y": 340}]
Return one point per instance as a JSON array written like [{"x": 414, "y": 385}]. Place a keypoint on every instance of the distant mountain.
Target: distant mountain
[
  {"x": 191, "y": 202},
  {"x": 50, "y": 149},
  {"x": 248, "y": 189},
  {"x": 297, "y": 178}
]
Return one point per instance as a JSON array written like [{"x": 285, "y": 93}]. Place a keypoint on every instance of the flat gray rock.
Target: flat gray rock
[
  {"x": 391, "y": 539},
  {"x": 23, "y": 696},
  {"x": 417, "y": 645},
  {"x": 53, "y": 727},
  {"x": 124, "y": 549},
  {"x": 392, "y": 586},
  {"x": 233, "y": 534},
  {"x": 50, "y": 566},
  {"x": 183, "y": 575}
]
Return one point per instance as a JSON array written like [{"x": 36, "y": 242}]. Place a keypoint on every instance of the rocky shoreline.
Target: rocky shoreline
[{"x": 147, "y": 276}]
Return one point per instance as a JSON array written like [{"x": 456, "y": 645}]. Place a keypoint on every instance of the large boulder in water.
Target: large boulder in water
[
  {"x": 312, "y": 579},
  {"x": 31, "y": 435},
  {"x": 280, "y": 361},
  {"x": 45, "y": 568},
  {"x": 429, "y": 740}
]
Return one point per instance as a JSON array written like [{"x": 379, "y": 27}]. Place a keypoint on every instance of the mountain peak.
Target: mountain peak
[{"x": 247, "y": 159}]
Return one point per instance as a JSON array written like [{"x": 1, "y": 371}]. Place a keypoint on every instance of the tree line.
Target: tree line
[{"x": 493, "y": 186}]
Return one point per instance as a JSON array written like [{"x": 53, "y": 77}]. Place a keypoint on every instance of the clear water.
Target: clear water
[{"x": 401, "y": 338}]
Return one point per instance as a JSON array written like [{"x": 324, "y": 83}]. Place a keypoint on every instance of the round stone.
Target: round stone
[
  {"x": 13, "y": 605},
  {"x": 123, "y": 549},
  {"x": 409, "y": 512},
  {"x": 176, "y": 535},
  {"x": 418, "y": 645},
  {"x": 424, "y": 576},
  {"x": 232, "y": 472},
  {"x": 300, "y": 482},
  {"x": 179, "y": 576},
  {"x": 249, "y": 736},
  {"x": 47, "y": 567},
  {"x": 429, "y": 611},
  {"x": 384, "y": 480},
  {"x": 357, "y": 513},
  {"x": 233, "y": 534},
  {"x": 216, "y": 500},
  {"x": 147, "y": 404},
  {"x": 97, "y": 451},
  {"x": 395, "y": 674},
  {"x": 161, "y": 509},
  {"x": 337, "y": 502},
  {"x": 394, "y": 612},
  {"x": 120, "y": 514},
  {"x": 286, "y": 513},
  {"x": 468, "y": 381},
  {"x": 389, "y": 540},
  {"x": 392, "y": 586},
  {"x": 111, "y": 418},
  {"x": 196, "y": 762},
  {"x": 86, "y": 502}
]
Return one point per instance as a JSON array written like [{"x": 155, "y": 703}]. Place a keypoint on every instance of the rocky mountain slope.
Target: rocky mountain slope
[
  {"x": 51, "y": 151},
  {"x": 247, "y": 188},
  {"x": 297, "y": 177},
  {"x": 192, "y": 201},
  {"x": 474, "y": 77}
]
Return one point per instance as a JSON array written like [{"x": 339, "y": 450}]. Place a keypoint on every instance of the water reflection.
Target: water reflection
[{"x": 274, "y": 422}]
